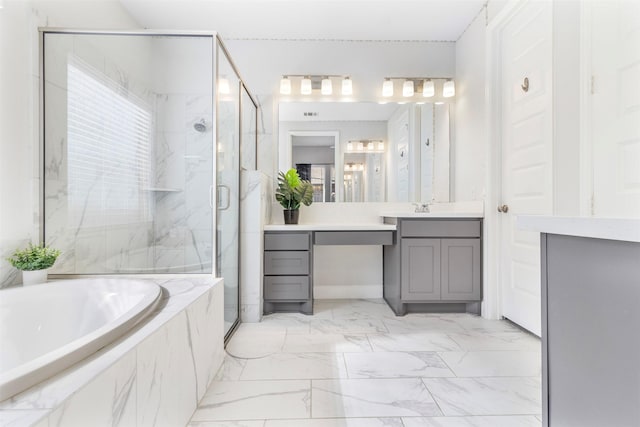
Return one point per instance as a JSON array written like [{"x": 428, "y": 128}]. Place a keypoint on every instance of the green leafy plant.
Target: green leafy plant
[
  {"x": 292, "y": 191},
  {"x": 34, "y": 257}
]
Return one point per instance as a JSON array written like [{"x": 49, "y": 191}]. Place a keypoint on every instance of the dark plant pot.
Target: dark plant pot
[{"x": 291, "y": 216}]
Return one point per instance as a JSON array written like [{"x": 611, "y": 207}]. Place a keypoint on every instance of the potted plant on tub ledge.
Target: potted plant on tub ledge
[
  {"x": 34, "y": 262},
  {"x": 293, "y": 191}
]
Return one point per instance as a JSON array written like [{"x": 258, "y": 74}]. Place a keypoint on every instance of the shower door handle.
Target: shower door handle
[{"x": 226, "y": 199}]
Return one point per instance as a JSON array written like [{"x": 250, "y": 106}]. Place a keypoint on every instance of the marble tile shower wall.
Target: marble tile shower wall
[
  {"x": 183, "y": 173},
  {"x": 175, "y": 234}
]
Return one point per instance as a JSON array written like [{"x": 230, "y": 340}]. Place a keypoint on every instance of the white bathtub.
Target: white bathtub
[{"x": 46, "y": 328}]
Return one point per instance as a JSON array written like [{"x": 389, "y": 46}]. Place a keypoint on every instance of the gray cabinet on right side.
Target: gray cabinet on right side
[{"x": 434, "y": 266}]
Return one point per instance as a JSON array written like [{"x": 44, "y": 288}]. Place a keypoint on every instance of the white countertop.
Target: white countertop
[
  {"x": 599, "y": 228},
  {"x": 432, "y": 214},
  {"x": 330, "y": 227}
]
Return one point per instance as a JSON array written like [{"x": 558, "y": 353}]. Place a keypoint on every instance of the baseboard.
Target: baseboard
[{"x": 347, "y": 292}]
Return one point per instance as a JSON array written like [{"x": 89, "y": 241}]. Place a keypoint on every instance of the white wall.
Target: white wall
[
  {"x": 468, "y": 150},
  {"x": 19, "y": 117}
]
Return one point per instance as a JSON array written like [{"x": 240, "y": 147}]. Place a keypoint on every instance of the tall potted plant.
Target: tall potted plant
[
  {"x": 293, "y": 191},
  {"x": 34, "y": 262}
]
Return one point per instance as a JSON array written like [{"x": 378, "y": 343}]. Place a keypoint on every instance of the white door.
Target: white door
[
  {"x": 526, "y": 157},
  {"x": 615, "y": 114}
]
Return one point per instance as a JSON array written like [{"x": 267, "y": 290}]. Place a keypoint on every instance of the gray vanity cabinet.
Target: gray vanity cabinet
[
  {"x": 460, "y": 269},
  {"x": 420, "y": 269},
  {"x": 434, "y": 266},
  {"x": 288, "y": 272}
]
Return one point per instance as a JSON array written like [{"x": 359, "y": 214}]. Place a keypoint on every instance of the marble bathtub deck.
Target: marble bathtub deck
[{"x": 355, "y": 364}]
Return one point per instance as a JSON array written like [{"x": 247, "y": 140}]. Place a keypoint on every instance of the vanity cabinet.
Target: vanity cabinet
[
  {"x": 440, "y": 269},
  {"x": 435, "y": 265},
  {"x": 288, "y": 272}
]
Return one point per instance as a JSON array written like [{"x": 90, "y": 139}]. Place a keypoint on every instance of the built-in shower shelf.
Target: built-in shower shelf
[{"x": 163, "y": 190}]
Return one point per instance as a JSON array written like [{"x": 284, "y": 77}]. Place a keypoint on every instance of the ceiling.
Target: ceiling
[{"x": 390, "y": 20}]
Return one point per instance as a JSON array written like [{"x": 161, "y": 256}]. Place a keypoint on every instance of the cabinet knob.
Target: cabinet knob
[{"x": 503, "y": 208}]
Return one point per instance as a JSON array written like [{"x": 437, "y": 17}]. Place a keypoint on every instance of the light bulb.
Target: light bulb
[
  {"x": 349, "y": 146},
  {"x": 449, "y": 89},
  {"x": 347, "y": 86},
  {"x": 370, "y": 146},
  {"x": 305, "y": 86},
  {"x": 407, "y": 88},
  {"x": 326, "y": 88},
  {"x": 428, "y": 88},
  {"x": 285, "y": 86},
  {"x": 381, "y": 146},
  {"x": 360, "y": 146},
  {"x": 387, "y": 88}
]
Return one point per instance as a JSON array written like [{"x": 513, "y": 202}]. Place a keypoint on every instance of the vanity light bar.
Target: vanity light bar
[
  {"x": 368, "y": 145},
  {"x": 425, "y": 85},
  {"x": 308, "y": 83}
]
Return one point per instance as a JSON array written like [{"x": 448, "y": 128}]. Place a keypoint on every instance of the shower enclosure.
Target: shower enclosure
[{"x": 142, "y": 147}]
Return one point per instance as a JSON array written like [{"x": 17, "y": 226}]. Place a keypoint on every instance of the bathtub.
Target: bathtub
[{"x": 46, "y": 328}]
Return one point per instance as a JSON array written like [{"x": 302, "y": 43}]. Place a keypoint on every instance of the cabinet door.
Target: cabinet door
[
  {"x": 420, "y": 270},
  {"x": 460, "y": 269}
]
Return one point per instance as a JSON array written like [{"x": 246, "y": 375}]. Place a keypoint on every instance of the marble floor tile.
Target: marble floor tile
[
  {"x": 253, "y": 423},
  {"x": 425, "y": 324},
  {"x": 371, "y": 398},
  {"x": 231, "y": 368},
  {"x": 337, "y": 422},
  {"x": 487, "y": 421},
  {"x": 287, "y": 366},
  {"x": 291, "y": 323},
  {"x": 396, "y": 365},
  {"x": 255, "y": 400},
  {"x": 412, "y": 341},
  {"x": 494, "y": 363},
  {"x": 361, "y": 309},
  {"x": 347, "y": 326},
  {"x": 498, "y": 341},
  {"x": 486, "y": 396},
  {"x": 473, "y": 323},
  {"x": 355, "y": 364},
  {"x": 325, "y": 343},
  {"x": 323, "y": 309},
  {"x": 252, "y": 340}
]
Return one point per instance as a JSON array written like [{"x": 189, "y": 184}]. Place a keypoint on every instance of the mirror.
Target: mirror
[{"x": 368, "y": 152}]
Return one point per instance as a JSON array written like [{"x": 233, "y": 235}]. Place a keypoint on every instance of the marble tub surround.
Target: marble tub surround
[
  {"x": 444, "y": 370},
  {"x": 154, "y": 375}
]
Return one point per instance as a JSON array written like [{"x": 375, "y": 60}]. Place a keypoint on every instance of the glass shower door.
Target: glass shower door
[{"x": 228, "y": 186}]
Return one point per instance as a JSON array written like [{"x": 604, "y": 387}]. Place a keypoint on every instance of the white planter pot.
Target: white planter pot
[{"x": 34, "y": 277}]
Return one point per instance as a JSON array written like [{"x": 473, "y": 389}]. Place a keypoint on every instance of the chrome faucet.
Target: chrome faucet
[{"x": 421, "y": 207}]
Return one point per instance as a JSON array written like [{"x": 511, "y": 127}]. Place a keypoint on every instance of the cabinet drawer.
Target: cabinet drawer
[
  {"x": 439, "y": 228},
  {"x": 286, "y": 287},
  {"x": 286, "y": 241},
  {"x": 354, "y": 237},
  {"x": 286, "y": 262}
]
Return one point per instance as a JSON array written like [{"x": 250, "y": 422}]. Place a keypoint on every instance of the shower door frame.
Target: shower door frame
[
  {"x": 241, "y": 85},
  {"x": 217, "y": 43}
]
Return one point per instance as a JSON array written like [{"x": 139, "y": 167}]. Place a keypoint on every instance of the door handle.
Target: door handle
[
  {"x": 503, "y": 208},
  {"x": 227, "y": 199}
]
